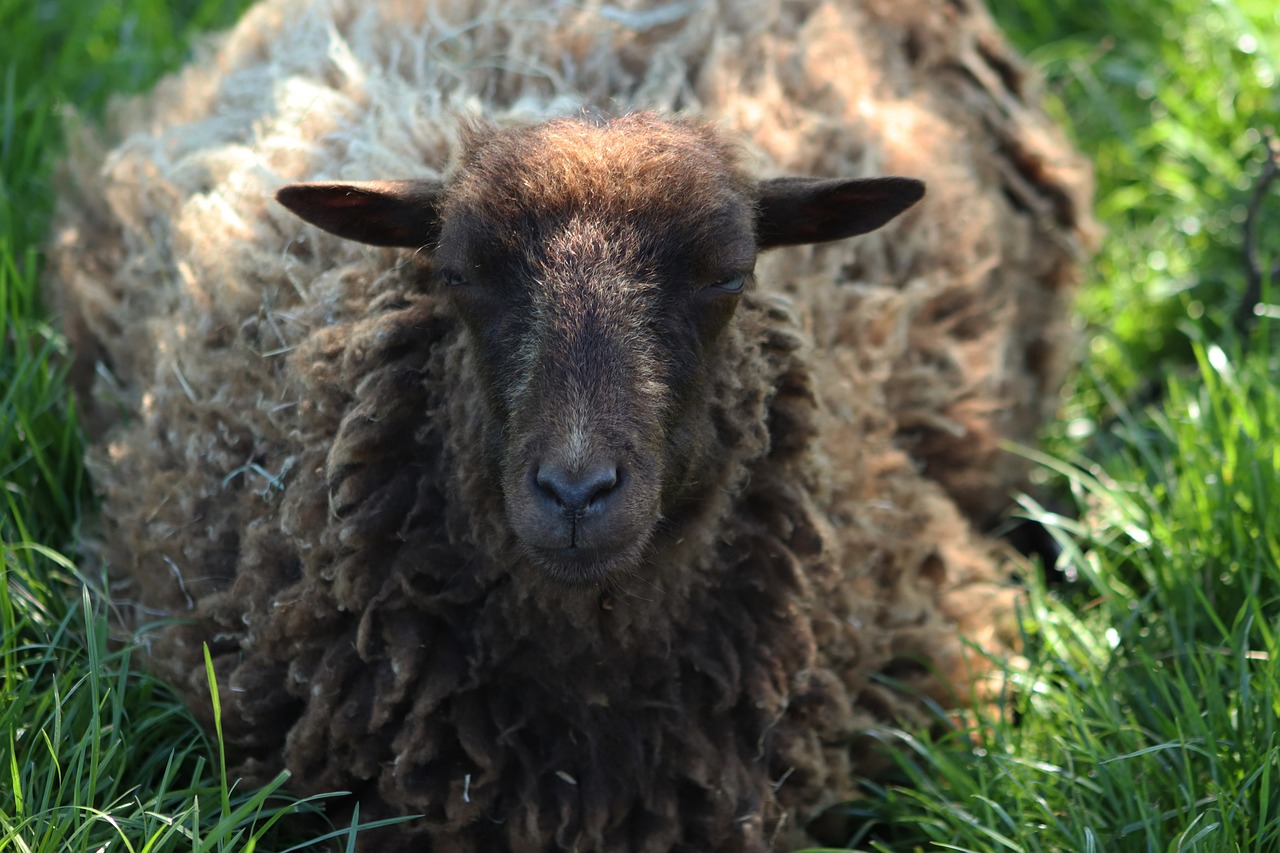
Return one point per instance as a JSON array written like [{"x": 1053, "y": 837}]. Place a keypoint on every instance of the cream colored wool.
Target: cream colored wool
[{"x": 235, "y": 348}]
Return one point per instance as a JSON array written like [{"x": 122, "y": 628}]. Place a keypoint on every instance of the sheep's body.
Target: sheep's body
[{"x": 299, "y": 474}]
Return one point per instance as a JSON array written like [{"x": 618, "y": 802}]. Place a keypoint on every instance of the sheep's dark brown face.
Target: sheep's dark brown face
[{"x": 595, "y": 266}]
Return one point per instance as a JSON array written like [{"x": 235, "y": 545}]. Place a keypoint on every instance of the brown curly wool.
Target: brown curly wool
[{"x": 294, "y": 447}]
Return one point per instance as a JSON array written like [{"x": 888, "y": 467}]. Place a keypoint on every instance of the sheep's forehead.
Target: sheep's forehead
[{"x": 639, "y": 170}]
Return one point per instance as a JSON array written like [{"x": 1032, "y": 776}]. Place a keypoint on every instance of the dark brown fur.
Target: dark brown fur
[
  {"x": 590, "y": 255},
  {"x": 677, "y": 706},
  {"x": 315, "y": 450},
  {"x": 595, "y": 264},
  {"x": 588, "y": 263}
]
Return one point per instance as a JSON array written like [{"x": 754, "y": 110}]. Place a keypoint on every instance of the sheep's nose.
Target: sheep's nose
[{"x": 578, "y": 492}]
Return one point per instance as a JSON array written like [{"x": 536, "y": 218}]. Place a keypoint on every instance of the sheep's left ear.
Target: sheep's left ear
[
  {"x": 381, "y": 213},
  {"x": 811, "y": 210}
]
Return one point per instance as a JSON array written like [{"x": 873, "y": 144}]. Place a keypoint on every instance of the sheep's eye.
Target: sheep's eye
[
  {"x": 731, "y": 284},
  {"x": 453, "y": 278}
]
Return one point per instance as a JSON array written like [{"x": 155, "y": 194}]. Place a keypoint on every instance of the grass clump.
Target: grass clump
[
  {"x": 97, "y": 754},
  {"x": 1146, "y": 718},
  {"x": 94, "y": 753},
  {"x": 1170, "y": 99},
  {"x": 1145, "y": 715}
]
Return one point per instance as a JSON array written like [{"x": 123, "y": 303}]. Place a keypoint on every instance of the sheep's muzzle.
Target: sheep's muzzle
[{"x": 580, "y": 522}]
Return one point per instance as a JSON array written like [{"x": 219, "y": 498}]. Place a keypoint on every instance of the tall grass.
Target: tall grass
[
  {"x": 1146, "y": 716},
  {"x": 1169, "y": 98},
  {"x": 94, "y": 753}
]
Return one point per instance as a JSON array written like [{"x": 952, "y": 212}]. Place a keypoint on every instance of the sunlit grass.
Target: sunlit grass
[
  {"x": 1145, "y": 718},
  {"x": 1170, "y": 100},
  {"x": 95, "y": 754}
]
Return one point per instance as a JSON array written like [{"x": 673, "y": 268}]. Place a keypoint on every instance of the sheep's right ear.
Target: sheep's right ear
[{"x": 381, "y": 213}]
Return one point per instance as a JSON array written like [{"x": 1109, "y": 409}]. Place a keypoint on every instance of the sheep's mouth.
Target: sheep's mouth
[
  {"x": 579, "y": 566},
  {"x": 579, "y": 524}
]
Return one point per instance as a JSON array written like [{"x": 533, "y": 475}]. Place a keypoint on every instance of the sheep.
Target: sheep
[
  {"x": 522, "y": 495},
  {"x": 595, "y": 266}
]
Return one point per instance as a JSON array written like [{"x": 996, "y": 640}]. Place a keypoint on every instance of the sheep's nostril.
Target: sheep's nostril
[{"x": 578, "y": 491}]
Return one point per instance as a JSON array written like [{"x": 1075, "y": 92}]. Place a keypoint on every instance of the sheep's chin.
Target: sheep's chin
[{"x": 587, "y": 566}]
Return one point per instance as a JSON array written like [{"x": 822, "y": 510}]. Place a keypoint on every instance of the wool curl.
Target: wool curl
[{"x": 284, "y": 426}]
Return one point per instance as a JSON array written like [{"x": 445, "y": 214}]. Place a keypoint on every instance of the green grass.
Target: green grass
[
  {"x": 1148, "y": 717},
  {"x": 1169, "y": 98},
  {"x": 1145, "y": 717},
  {"x": 94, "y": 753}
]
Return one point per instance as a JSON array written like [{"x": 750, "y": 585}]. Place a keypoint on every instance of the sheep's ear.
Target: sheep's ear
[
  {"x": 811, "y": 210},
  {"x": 381, "y": 213}
]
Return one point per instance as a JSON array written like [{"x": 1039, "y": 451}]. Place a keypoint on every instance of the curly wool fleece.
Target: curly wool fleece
[{"x": 285, "y": 428}]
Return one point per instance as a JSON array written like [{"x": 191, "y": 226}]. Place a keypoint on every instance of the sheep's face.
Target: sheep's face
[{"x": 595, "y": 266}]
